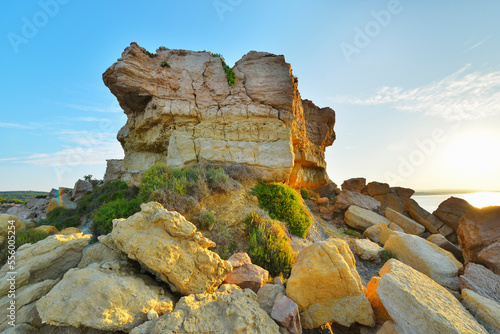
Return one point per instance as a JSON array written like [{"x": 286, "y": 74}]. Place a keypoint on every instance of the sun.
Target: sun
[{"x": 473, "y": 154}]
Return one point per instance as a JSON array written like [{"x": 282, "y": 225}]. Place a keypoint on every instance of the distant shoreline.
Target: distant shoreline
[{"x": 450, "y": 192}]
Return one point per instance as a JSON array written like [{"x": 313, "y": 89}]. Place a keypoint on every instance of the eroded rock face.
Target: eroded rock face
[
  {"x": 105, "y": 297},
  {"x": 327, "y": 288},
  {"x": 169, "y": 246},
  {"x": 186, "y": 112}
]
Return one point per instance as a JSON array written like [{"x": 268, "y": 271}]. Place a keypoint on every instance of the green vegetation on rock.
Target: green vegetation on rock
[
  {"x": 387, "y": 255},
  {"x": 229, "y": 71},
  {"x": 283, "y": 203},
  {"x": 119, "y": 208},
  {"x": 27, "y": 236},
  {"x": 269, "y": 245},
  {"x": 304, "y": 193}
]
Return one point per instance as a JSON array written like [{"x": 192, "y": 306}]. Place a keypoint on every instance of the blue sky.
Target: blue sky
[{"x": 415, "y": 84}]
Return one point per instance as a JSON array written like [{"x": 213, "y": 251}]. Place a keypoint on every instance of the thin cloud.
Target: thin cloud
[
  {"x": 77, "y": 156},
  {"x": 110, "y": 109},
  {"x": 92, "y": 119},
  {"x": 15, "y": 126},
  {"x": 9, "y": 159},
  {"x": 478, "y": 44},
  {"x": 462, "y": 95}
]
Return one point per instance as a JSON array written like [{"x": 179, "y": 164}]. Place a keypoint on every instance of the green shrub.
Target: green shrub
[
  {"x": 164, "y": 64},
  {"x": 269, "y": 246},
  {"x": 106, "y": 193},
  {"x": 173, "y": 201},
  {"x": 29, "y": 236},
  {"x": 387, "y": 255},
  {"x": 283, "y": 203},
  {"x": 119, "y": 208},
  {"x": 305, "y": 194},
  {"x": 62, "y": 218},
  {"x": 205, "y": 220},
  {"x": 229, "y": 71},
  {"x": 351, "y": 232}
]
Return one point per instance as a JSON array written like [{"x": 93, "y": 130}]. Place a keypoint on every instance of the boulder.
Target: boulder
[
  {"x": 395, "y": 227},
  {"x": 376, "y": 188},
  {"x": 39, "y": 204},
  {"x": 426, "y": 257},
  {"x": 367, "y": 250},
  {"x": 373, "y": 232},
  {"x": 47, "y": 259},
  {"x": 22, "y": 328},
  {"x": 386, "y": 234},
  {"x": 379, "y": 310},
  {"x": 70, "y": 230},
  {"x": 267, "y": 294},
  {"x": 407, "y": 224},
  {"x": 362, "y": 219},
  {"x": 387, "y": 197},
  {"x": 477, "y": 231},
  {"x": 187, "y": 113},
  {"x": 348, "y": 198},
  {"x": 441, "y": 241},
  {"x": 227, "y": 310},
  {"x": 105, "y": 297},
  {"x": 354, "y": 184},
  {"x": 49, "y": 229},
  {"x": 82, "y": 187},
  {"x": 327, "y": 288},
  {"x": 451, "y": 210},
  {"x": 245, "y": 274},
  {"x": 67, "y": 203},
  {"x": 485, "y": 310},
  {"x": 11, "y": 221},
  {"x": 286, "y": 313},
  {"x": 429, "y": 221},
  {"x": 22, "y": 212},
  {"x": 115, "y": 170},
  {"x": 482, "y": 281},
  {"x": 24, "y": 297},
  {"x": 53, "y": 204},
  {"x": 100, "y": 253},
  {"x": 417, "y": 304},
  {"x": 404, "y": 194},
  {"x": 170, "y": 247},
  {"x": 389, "y": 327}
]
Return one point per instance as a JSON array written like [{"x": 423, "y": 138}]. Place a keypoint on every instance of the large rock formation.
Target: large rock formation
[
  {"x": 169, "y": 246},
  {"x": 186, "y": 112}
]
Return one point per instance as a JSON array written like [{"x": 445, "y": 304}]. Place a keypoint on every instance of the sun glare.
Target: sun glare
[
  {"x": 482, "y": 199},
  {"x": 474, "y": 154}
]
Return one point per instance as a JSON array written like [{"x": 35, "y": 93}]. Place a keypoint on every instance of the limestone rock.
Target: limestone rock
[
  {"x": 326, "y": 286},
  {"x": 395, "y": 227},
  {"x": 367, "y": 250},
  {"x": 105, "y": 297},
  {"x": 387, "y": 197},
  {"x": 49, "y": 229},
  {"x": 348, "y": 198},
  {"x": 362, "y": 219},
  {"x": 486, "y": 311},
  {"x": 429, "y": 221},
  {"x": 47, "y": 259},
  {"x": 417, "y": 304},
  {"x": 373, "y": 232},
  {"x": 100, "y": 253},
  {"x": 407, "y": 224},
  {"x": 378, "y": 308},
  {"x": 71, "y": 330},
  {"x": 441, "y": 241},
  {"x": 228, "y": 310},
  {"x": 70, "y": 230},
  {"x": 21, "y": 328},
  {"x": 115, "y": 170},
  {"x": 477, "y": 230},
  {"x": 386, "y": 234},
  {"x": 187, "y": 113},
  {"x": 482, "y": 281},
  {"x": 404, "y": 194},
  {"x": 22, "y": 212},
  {"x": 245, "y": 274},
  {"x": 5, "y": 220},
  {"x": 286, "y": 313},
  {"x": 24, "y": 296},
  {"x": 451, "y": 210},
  {"x": 53, "y": 204},
  {"x": 170, "y": 247},
  {"x": 389, "y": 327},
  {"x": 82, "y": 187},
  {"x": 426, "y": 257},
  {"x": 267, "y": 294},
  {"x": 38, "y": 204},
  {"x": 354, "y": 184}
]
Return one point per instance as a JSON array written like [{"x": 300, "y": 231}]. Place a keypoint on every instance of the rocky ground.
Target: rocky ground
[{"x": 363, "y": 268}]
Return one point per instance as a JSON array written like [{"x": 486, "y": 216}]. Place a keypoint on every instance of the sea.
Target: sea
[{"x": 478, "y": 199}]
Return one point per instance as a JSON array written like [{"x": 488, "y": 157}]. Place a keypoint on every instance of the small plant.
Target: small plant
[
  {"x": 229, "y": 71},
  {"x": 119, "y": 208},
  {"x": 87, "y": 178},
  {"x": 206, "y": 220},
  {"x": 304, "y": 193},
  {"x": 283, "y": 203},
  {"x": 352, "y": 233},
  {"x": 387, "y": 255},
  {"x": 29, "y": 236},
  {"x": 62, "y": 218},
  {"x": 164, "y": 64},
  {"x": 269, "y": 245}
]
